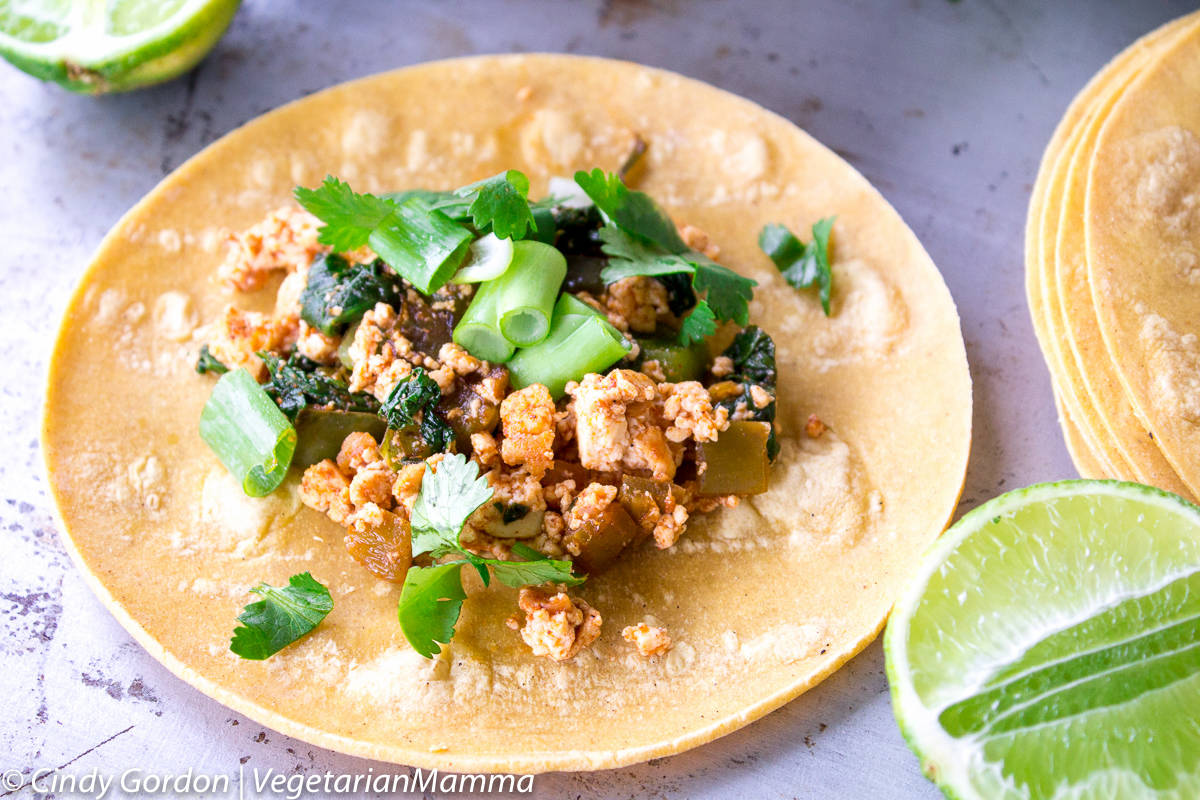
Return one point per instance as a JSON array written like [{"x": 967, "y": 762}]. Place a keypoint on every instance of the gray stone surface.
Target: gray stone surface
[{"x": 944, "y": 106}]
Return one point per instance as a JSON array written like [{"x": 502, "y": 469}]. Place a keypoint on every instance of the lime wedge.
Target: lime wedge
[
  {"x": 1050, "y": 647},
  {"x": 97, "y": 46}
]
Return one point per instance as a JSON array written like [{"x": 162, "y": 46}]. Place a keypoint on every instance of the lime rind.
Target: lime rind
[
  {"x": 89, "y": 59},
  {"x": 1044, "y": 758}
]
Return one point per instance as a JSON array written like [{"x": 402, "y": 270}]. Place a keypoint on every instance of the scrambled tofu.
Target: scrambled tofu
[
  {"x": 527, "y": 419},
  {"x": 286, "y": 240},
  {"x": 614, "y": 428},
  {"x": 556, "y": 625},
  {"x": 649, "y": 640},
  {"x": 587, "y": 478}
]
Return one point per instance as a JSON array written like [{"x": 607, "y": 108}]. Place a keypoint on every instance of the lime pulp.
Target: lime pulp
[{"x": 1050, "y": 647}]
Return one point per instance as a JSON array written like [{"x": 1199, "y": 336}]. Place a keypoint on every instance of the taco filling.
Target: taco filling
[{"x": 531, "y": 388}]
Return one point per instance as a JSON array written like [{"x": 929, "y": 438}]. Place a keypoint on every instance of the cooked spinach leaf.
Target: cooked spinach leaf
[
  {"x": 753, "y": 355},
  {"x": 296, "y": 383},
  {"x": 338, "y": 293},
  {"x": 412, "y": 405}
]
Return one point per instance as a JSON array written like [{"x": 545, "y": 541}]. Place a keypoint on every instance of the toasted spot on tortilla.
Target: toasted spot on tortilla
[
  {"x": 558, "y": 134},
  {"x": 826, "y": 501},
  {"x": 239, "y": 523},
  {"x": 787, "y": 643},
  {"x": 365, "y": 134},
  {"x": 174, "y": 316},
  {"x": 1174, "y": 363}
]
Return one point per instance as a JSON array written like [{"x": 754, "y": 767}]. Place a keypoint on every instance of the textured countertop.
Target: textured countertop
[{"x": 945, "y": 106}]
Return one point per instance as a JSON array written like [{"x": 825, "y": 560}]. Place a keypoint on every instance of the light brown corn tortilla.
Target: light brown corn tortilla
[
  {"x": 1142, "y": 225},
  {"x": 762, "y": 601},
  {"x": 1086, "y": 363},
  {"x": 1056, "y": 280}
]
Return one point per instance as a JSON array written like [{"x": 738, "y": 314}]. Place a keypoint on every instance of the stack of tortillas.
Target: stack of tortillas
[{"x": 1113, "y": 264}]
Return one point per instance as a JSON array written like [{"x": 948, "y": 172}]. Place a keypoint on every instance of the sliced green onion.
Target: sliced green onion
[
  {"x": 248, "y": 433},
  {"x": 487, "y": 259},
  {"x": 479, "y": 329},
  {"x": 578, "y": 343},
  {"x": 343, "y": 351},
  {"x": 420, "y": 243},
  {"x": 568, "y": 193},
  {"x": 527, "y": 292}
]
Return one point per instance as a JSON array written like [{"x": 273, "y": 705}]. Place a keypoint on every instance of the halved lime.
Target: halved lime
[
  {"x": 96, "y": 46},
  {"x": 1050, "y": 647}
]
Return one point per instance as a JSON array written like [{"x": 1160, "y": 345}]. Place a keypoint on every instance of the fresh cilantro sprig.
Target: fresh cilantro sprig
[
  {"x": 640, "y": 239},
  {"x": 501, "y": 202},
  {"x": 803, "y": 265},
  {"x": 285, "y": 614},
  {"x": 349, "y": 217},
  {"x": 421, "y": 243},
  {"x": 432, "y": 597}
]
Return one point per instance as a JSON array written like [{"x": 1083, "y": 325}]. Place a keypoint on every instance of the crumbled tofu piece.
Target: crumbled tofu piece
[
  {"x": 689, "y": 409},
  {"x": 636, "y": 304},
  {"x": 590, "y": 504},
  {"x": 649, "y": 640},
  {"x": 814, "y": 427},
  {"x": 358, "y": 450},
  {"x": 311, "y": 343},
  {"x": 379, "y": 353},
  {"x": 373, "y": 484},
  {"x": 527, "y": 421},
  {"x": 670, "y": 527},
  {"x": 697, "y": 239},
  {"x": 408, "y": 485},
  {"x": 285, "y": 240},
  {"x": 722, "y": 366},
  {"x": 613, "y": 424},
  {"x": 238, "y": 335},
  {"x": 484, "y": 450},
  {"x": 325, "y": 488},
  {"x": 556, "y": 625},
  {"x": 760, "y": 396}
]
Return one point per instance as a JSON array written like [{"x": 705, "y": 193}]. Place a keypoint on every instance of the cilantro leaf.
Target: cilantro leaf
[
  {"x": 349, "y": 217},
  {"x": 432, "y": 597},
  {"x": 430, "y": 603},
  {"x": 629, "y": 257},
  {"x": 727, "y": 294},
  {"x": 283, "y": 615},
  {"x": 632, "y": 211},
  {"x": 420, "y": 243},
  {"x": 524, "y": 573},
  {"x": 698, "y": 325},
  {"x": 448, "y": 497},
  {"x": 802, "y": 265},
  {"x": 501, "y": 202}
]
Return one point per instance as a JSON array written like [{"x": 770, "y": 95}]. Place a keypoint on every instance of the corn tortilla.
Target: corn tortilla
[
  {"x": 1142, "y": 224},
  {"x": 763, "y": 601}
]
